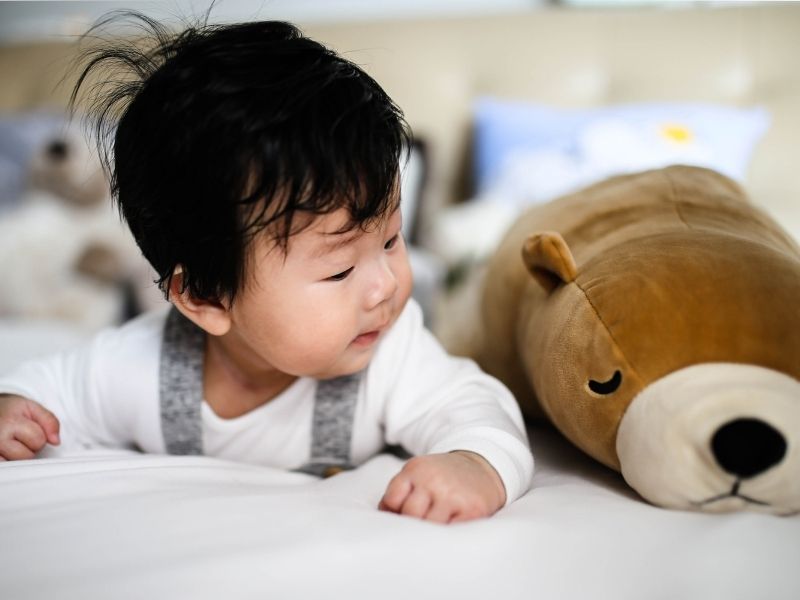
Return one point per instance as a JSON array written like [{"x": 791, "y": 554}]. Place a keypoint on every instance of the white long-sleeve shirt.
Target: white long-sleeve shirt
[{"x": 106, "y": 394}]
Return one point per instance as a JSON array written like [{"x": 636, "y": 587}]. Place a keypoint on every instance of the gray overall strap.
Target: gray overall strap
[
  {"x": 332, "y": 427},
  {"x": 181, "y": 385}
]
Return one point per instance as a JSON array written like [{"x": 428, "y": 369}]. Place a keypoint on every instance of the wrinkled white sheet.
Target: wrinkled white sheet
[{"x": 122, "y": 526}]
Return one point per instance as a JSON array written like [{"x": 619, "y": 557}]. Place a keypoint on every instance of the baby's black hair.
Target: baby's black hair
[{"x": 221, "y": 132}]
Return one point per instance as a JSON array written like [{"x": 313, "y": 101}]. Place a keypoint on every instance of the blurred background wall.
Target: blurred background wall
[{"x": 513, "y": 102}]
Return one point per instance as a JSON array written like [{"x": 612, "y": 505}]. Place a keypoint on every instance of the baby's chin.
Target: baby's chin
[{"x": 351, "y": 363}]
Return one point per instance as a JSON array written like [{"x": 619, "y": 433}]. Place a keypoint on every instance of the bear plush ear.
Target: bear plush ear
[{"x": 549, "y": 259}]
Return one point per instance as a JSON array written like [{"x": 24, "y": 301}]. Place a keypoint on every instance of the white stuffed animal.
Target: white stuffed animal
[{"x": 64, "y": 252}]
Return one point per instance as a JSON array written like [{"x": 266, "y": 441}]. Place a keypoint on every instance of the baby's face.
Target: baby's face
[{"x": 320, "y": 309}]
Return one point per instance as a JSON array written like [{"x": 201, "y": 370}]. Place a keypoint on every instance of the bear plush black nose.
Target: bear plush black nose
[
  {"x": 747, "y": 447},
  {"x": 57, "y": 150}
]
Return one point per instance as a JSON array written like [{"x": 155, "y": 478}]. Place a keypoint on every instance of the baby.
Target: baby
[{"x": 259, "y": 174}]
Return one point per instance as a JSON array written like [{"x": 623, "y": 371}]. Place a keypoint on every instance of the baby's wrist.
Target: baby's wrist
[{"x": 489, "y": 469}]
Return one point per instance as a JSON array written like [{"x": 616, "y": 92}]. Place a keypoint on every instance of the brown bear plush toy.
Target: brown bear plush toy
[{"x": 655, "y": 320}]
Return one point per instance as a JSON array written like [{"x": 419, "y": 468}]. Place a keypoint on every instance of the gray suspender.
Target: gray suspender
[
  {"x": 332, "y": 428},
  {"x": 181, "y": 396},
  {"x": 181, "y": 385}
]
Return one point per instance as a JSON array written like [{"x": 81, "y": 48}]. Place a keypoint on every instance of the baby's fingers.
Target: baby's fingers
[
  {"x": 417, "y": 504},
  {"x": 15, "y": 450},
  {"x": 397, "y": 491},
  {"x": 47, "y": 420},
  {"x": 440, "y": 512},
  {"x": 31, "y": 435},
  {"x": 402, "y": 497}
]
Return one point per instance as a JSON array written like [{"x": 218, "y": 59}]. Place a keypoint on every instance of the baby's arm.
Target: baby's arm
[
  {"x": 465, "y": 428},
  {"x": 104, "y": 393},
  {"x": 446, "y": 488},
  {"x": 25, "y": 427}
]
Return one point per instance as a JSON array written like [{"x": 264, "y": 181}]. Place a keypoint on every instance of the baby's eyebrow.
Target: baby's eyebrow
[{"x": 334, "y": 241}]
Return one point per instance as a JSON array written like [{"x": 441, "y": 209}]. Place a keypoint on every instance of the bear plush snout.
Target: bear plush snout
[{"x": 716, "y": 437}]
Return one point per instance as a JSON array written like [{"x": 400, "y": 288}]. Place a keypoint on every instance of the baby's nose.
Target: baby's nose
[{"x": 384, "y": 285}]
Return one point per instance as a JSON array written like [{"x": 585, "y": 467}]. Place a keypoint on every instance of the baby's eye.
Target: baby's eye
[
  {"x": 392, "y": 242},
  {"x": 340, "y": 276}
]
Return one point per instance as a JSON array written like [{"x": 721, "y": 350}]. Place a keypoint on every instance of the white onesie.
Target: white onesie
[{"x": 412, "y": 394}]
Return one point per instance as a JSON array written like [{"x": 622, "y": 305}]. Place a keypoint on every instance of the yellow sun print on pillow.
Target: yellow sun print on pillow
[{"x": 677, "y": 133}]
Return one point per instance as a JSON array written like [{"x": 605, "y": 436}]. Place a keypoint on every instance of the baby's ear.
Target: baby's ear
[
  {"x": 212, "y": 316},
  {"x": 549, "y": 259}
]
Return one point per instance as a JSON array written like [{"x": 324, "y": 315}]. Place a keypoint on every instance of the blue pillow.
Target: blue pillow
[{"x": 530, "y": 153}]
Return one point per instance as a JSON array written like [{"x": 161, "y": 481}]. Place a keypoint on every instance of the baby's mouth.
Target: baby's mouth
[
  {"x": 370, "y": 337},
  {"x": 367, "y": 339}
]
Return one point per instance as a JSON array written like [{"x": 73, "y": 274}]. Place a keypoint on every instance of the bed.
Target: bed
[
  {"x": 101, "y": 523},
  {"x": 105, "y": 524},
  {"x": 112, "y": 525}
]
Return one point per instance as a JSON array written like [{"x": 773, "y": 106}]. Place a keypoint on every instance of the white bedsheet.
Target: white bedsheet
[{"x": 119, "y": 525}]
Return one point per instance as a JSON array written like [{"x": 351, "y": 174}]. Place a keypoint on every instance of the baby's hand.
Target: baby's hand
[
  {"x": 25, "y": 427},
  {"x": 445, "y": 488}
]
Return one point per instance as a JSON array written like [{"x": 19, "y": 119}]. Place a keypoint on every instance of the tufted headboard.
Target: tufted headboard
[{"x": 738, "y": 55}]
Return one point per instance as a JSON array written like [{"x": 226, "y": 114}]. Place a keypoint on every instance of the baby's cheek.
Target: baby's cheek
[
  {"x": 327, "y": 349},
  {"x": 405, "y": 282}
]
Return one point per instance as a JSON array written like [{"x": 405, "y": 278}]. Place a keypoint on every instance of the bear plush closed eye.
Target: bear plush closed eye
[{"x": 654, "y": 319}]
